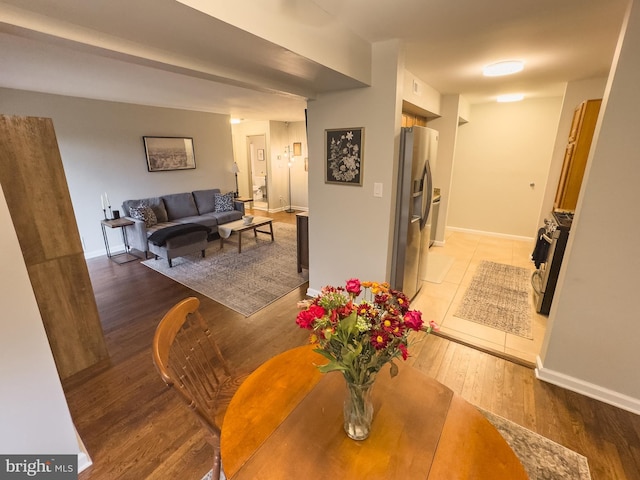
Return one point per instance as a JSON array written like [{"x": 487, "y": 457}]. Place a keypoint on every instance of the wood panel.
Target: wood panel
[{"x": 34, "y": 184}]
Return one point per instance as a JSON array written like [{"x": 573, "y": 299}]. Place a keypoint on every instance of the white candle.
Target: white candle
[
  {"x": 106, "y": 199},
  {"x": 102, "y": 201}
]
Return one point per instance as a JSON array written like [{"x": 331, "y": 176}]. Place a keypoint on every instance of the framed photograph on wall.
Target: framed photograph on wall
[
  {"x": 169, "y": 153},
  {"x": 344, "y": 155}
]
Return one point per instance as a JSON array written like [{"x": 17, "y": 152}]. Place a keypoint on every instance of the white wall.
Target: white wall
[
  {"x": 447, "y": 126},
  {"x": 575, "y": 93},
  {"x": 350, "y": 230},
  {"x": 498, "y": 154},
  {"x": 35, "y": 418},
  {"x": 102, "y": 151},
  {"x": 591, "y": 342}
]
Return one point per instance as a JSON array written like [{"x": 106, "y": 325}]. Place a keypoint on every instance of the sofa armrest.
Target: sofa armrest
[
  {"x": 238, "y": 206},
  {"x": 137, "y": 234}
]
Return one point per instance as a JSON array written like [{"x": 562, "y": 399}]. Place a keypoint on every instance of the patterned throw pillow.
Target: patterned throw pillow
[
  {"x": 144, "y": 213},
  {"x": 223, "y": 203}
]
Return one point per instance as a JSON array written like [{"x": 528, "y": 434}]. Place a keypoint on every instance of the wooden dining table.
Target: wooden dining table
[{"x": 286, "y": 422}]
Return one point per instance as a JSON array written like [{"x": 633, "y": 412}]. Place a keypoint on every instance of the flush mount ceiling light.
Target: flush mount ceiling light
[
  {"x": 503, "y": 68},
  {"x": 235, "y": 121},
  {"x": 510, "y": 97}
]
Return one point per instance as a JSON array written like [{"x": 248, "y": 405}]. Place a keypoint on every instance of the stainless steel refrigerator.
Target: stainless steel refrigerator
[{"x": 418, "y": 148}]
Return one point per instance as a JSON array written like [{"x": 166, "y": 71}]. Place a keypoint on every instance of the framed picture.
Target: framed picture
[
  {"x": 344, "y": 156},
  {"x": 261, "y": 155},
  {"x": 169, "y": 153}
]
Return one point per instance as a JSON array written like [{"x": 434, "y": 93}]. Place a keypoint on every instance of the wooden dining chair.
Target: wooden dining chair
[{"x": 189, "y": 360}]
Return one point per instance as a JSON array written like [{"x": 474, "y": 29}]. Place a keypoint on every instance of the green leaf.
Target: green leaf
[
  {"x": 331, "y": 367},
  {"x": 393, "y": 369}
]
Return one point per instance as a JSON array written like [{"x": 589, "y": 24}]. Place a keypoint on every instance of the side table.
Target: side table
[{"x": 118, "y": 223}]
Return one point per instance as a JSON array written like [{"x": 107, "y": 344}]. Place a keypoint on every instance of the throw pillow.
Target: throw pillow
[
  {"x": 144, "y": 213},
  {"x": 223, "y": 202}
]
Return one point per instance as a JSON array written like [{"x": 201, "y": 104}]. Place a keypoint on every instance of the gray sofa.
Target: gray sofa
[{"x": 175, "y": 209}]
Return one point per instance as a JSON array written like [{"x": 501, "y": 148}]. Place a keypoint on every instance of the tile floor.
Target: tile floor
[{"x": 439, "y": 301}]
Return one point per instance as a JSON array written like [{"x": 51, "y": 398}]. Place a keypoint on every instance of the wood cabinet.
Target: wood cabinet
[
  {"x": 576, "y": 154},
  {"x": 35, "y": 187},
  {"x": 302, "y": 228}
]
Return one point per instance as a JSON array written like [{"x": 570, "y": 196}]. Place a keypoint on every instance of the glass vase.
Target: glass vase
[{"x": 358, "y": 410}]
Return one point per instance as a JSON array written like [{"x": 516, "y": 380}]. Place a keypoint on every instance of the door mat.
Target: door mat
[{"x": 498, "y": 297}]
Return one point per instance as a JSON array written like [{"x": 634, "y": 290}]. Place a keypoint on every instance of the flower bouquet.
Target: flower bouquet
[{"x": 360, "y": 328}]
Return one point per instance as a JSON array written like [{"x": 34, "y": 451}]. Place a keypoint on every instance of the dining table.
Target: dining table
[{"x": 285, "y": 421}]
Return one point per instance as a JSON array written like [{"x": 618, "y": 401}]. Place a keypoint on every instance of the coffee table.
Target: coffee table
[{"x": 239, "y": 226}]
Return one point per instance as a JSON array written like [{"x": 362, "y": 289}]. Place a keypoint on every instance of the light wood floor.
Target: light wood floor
[
  {"x": 135, "y": 428},
  {"x": 439, "y": 301}
]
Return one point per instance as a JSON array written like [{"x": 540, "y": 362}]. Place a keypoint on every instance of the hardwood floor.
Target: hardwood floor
[{"x": 136, "y": 428}]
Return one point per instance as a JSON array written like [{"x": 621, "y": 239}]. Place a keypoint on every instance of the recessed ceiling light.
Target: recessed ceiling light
[
  {"x": 503, "y": 68},
  {"x": 510, "y": 97},
  {"x": 235, "y": 121}
]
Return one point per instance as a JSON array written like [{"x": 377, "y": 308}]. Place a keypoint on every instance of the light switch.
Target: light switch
[{"x": 377, "y": 190}]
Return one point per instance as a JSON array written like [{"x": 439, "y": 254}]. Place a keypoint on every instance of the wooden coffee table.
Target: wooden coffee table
[{"x": 239, "y": 226}]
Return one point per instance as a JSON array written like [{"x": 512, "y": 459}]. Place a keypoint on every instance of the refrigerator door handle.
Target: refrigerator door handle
[{"x": 429, "y": 191}]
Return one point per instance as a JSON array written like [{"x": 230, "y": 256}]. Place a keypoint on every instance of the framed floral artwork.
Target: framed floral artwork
[{"x": 344, "y": 156}]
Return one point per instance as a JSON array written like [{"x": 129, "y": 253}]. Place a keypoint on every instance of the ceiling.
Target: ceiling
[{"x": 163, "y": 53}]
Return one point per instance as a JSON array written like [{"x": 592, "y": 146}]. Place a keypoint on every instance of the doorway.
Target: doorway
[{"x": 258, "y": 177}]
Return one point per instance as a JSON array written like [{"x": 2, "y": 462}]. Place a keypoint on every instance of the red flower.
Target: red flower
[
  {"x": 413, "y": 320},
  {"x": 379, "y": 340},
  {"x": 306, "y": 318},
  {"x": 393, "y": 326},
  {"x": 403, "y": 349},
  {"x": 353, "y": 286}
]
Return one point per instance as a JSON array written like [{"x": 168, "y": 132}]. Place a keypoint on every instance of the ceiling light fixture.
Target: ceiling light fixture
[
  {"x": 510, "y": 97},
  {"x": 235, "y": 121},
  {"x": 503, "y": 68}
]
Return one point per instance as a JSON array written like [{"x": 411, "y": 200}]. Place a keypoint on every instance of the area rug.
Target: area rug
[
  {"x": 498, "y": 297},
  {"x": 542, "y": 459},
  {"x": 437, "y": 267},
  {"x": 245, "y": 282}
]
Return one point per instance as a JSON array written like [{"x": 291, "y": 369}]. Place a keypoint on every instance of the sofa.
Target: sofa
[{"x": 208, "y": 208}]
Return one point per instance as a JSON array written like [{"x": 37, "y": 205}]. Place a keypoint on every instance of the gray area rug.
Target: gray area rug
[
  {"x": 247, "y": 281},
  {"x": 498, "y": 297},
  {"x": 542, "y": 459}
]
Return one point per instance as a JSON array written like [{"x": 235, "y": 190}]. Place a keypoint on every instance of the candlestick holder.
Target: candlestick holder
[
  {"x": 110, "y": 213},
  {"x": 105, "y": 214}
]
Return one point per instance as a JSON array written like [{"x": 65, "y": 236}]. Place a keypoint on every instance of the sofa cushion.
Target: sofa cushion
[
  {"x": 205, "y": 220},
  {"x": 224, "y": 217},
  {"x": 180, "y": 205},
  {"x": 223, "y": 202},
  {"x": 156, "y": 204},
  {"x": 145, "y": 213},
  {"x": 204, "y": 200}
]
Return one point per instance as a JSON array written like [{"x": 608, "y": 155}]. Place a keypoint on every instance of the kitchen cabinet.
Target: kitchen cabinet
[{"x": 576, "y": 154}]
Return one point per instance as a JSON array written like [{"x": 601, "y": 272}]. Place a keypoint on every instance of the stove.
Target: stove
[{"x": 563, "y": 219}]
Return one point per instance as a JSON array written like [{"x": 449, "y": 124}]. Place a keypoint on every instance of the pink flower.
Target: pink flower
[
  {"x": 353, "y": 286},
  {"x": 413, "y": 320},
  {"x": 434, "y": 326}
]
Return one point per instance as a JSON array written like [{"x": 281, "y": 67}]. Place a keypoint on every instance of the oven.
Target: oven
[{"x": 547, "y": 257}]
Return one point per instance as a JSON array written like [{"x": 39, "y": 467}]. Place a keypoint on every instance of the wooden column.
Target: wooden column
[{"x": 35, "y": 187}]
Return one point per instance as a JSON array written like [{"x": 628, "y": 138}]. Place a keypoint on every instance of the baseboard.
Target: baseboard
[
  {"x": 587, "y": 389},
  {"x": 489, "y": 234},
  {"x": 312, "y": 292},
  {"x": 84, "y": 461}
]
